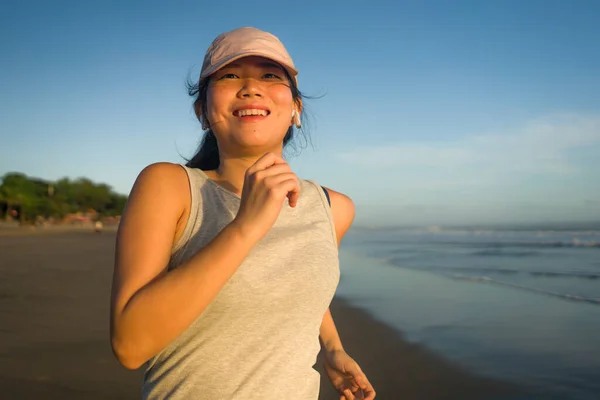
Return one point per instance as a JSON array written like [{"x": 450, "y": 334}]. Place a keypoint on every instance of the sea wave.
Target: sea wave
[
  {"x": 574, "y": 243},
  {"x": 583, "y": 274},
  {"x": 500, "y": 253},
  {"x": 564, "y": 296},
  {"x": 589, "y": 230}
]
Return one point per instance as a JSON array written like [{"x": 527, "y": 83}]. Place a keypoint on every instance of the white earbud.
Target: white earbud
[
  {"x": 204, "y": 124},
  {"x": 296, "y": 119}
]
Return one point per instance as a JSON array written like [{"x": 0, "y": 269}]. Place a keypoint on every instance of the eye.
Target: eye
[
  {"x": 271, "y": 76},
  {"x": 228, "y": 76}
]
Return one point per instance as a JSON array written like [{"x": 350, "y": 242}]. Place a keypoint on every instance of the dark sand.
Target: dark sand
[{"x": 54, "y": 342}]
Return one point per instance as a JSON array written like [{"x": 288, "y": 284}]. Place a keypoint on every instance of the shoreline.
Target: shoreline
[
  {"x": 54, "y": 340},
  {"x": 399, "y": 369},
  {"x": 18, "y": 230}
]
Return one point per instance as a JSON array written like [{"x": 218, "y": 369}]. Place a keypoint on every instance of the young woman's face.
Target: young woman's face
[{"x": 249, "y": 106}]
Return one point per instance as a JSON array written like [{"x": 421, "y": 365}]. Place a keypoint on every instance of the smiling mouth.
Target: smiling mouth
[{"x": 251, "y": 112}]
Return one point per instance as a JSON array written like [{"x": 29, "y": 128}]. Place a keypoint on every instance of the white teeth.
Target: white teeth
[{"x": 252, "y": 111}]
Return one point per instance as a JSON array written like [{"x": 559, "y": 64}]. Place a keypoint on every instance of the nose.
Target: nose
[{"x": 250, "y": 88}]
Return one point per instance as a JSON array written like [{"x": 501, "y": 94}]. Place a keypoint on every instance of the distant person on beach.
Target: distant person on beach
[{"x": 225, "y": 267}]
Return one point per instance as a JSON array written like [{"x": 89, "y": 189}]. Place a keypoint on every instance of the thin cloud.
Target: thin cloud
[{"x": 539, "y": 147}]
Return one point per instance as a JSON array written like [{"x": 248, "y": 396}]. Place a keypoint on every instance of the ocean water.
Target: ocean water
[{"x": 518, "y": 304}]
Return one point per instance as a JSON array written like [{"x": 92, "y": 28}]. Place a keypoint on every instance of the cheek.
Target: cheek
[
  {"x": 281, "y": 96},
  {"x": 217, "y": 100}
]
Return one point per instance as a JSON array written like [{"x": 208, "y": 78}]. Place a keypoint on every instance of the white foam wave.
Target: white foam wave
[{"x": 565, "y": 296}]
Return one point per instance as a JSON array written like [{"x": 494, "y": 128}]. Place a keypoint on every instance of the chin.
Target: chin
[
  {"x": 257, "y": 140},
  {"x": 259, "y": 148}
]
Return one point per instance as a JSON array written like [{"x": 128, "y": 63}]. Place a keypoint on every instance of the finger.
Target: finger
[
  {"x": 279, "y": 168},
  {"x": 287, "y": 186},
  {"x": 359, "y": 377},
  {"x": 267, "y": 160},
  {"x": 294, "y": 195},
  {"x": 364, "y": 383},
  {"x": 348, "y": 394},
  {"x": 275, "y": 169},
  {"x": 369, "y": 393},
  {"x": 361, "y": 380},
  {"x": 365, "y": 386},
  {"x": 274, "y": 181}
]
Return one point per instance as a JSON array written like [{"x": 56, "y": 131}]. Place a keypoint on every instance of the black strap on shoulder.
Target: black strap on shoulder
[{"x": 326, "y": 195}]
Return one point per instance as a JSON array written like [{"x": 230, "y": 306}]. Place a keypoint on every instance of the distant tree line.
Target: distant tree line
[{"x": 31, "y": 198}]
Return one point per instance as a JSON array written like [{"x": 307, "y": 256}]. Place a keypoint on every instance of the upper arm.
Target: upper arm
[
  {"x": 343, "y": 210},
  {"x": 147, "y": 230}
]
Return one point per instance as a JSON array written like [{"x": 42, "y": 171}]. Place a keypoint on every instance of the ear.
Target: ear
[
  {"x": 298, "y": 107},
  {"x": 296, "y": 114},
  {"x": 198, "y": 111},
  {"x": 203, "y": 121}
]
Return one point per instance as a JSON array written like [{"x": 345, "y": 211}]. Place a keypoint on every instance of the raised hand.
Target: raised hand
[
  {"x": 267, "y": 183},
  {"x": 347, "y": 377}
]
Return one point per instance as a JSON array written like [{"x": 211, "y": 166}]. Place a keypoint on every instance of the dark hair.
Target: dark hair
[{"x": 207, "y": 156}]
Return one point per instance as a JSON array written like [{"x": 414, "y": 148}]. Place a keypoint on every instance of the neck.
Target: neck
[{"x": 232, "y": 170}]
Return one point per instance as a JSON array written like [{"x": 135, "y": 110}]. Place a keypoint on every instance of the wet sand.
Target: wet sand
[{"x": 54, "y": 342}]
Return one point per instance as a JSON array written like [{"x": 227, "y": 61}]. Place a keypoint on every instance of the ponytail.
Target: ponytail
[{"x": 207, "y": 157}]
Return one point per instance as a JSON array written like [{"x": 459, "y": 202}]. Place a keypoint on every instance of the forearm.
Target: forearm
[
  {"x": 330, "y": 338},
  {"x": 164, "y": 308}
]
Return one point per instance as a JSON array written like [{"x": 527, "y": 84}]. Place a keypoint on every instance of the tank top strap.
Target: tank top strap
[{"x": 196, "y": 180}]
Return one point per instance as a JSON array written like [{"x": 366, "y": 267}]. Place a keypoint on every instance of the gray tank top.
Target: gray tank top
[{"x": 259, "y": 337}]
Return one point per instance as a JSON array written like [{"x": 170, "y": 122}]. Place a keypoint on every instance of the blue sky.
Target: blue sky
[{"x": 432, "y": 112}]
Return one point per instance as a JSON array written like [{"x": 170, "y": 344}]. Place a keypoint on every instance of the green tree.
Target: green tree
[{"x": 39, "y": 198}]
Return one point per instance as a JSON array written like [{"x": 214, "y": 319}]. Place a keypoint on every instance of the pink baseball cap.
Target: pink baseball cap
[{"x": 244, "y": 42}]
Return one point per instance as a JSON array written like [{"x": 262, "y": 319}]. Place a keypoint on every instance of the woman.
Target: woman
[{"x": 225, "y": 268}]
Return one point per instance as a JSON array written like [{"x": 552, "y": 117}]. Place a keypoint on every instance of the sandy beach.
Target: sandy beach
[{"x": 54, "y": 342}]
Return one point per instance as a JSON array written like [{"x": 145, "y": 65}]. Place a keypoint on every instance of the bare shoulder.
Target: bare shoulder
[
  {"x": 162, "y": 173},
  {"x": 343, "y": 211},
  {"x": 149, "y": 226},
  {"x": 160, "y": 186}
]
